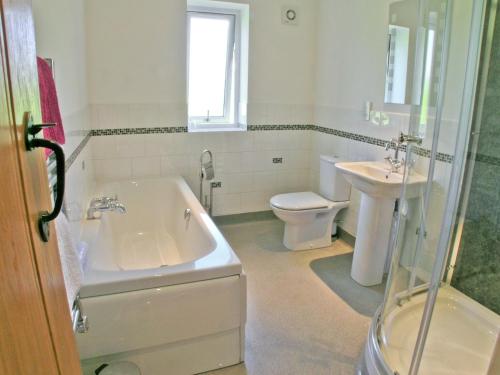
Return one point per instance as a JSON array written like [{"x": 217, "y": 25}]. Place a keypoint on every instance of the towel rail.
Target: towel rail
[{"x": 204, "y": 203}]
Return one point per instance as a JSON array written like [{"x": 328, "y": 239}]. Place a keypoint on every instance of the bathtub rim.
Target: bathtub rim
[{"x": 220, "y": 262}]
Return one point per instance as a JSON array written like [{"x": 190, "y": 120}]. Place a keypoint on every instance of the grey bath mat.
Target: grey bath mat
[{"x": 335, "y": 272}]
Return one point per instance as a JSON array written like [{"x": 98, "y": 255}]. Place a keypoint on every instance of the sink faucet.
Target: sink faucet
[
  {"x": 104, "y": 204},
  {"x": 395, "y": 163}
]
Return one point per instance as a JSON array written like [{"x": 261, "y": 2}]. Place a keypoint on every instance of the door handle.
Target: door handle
[{"x": 31, "y": 130}]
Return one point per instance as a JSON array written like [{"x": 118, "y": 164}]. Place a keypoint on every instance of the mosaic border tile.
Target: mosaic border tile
[
  {"x": 280, "y": 127},
  {"x": 446, "y": 158},
  {"x": 129, "y": 131}
]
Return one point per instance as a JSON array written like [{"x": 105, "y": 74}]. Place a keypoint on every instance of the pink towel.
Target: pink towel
[{"x": 49, "y": 104}]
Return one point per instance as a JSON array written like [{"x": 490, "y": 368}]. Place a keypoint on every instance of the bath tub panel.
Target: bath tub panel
[
  {"x": 143, "y": 319},
  {"x": 186, "y": 357}
]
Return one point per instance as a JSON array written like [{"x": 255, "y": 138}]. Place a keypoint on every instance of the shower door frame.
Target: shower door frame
[{"x": 457, "y": 176}]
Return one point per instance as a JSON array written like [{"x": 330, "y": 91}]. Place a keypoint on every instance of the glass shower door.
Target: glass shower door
[
  {"x": 421, "y": 208},
  {"x": 465, "y": 303},
  {"x": 412, "y": 236}
]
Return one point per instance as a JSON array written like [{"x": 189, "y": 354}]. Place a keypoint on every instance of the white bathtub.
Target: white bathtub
[{"x": 162, "y": 288}]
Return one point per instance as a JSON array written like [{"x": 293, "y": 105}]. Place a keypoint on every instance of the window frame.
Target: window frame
[{"x": 232, "y": 85}]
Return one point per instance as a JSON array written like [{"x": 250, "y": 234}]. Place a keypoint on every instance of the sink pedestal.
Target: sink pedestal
[
  {"x": 379, "y": 188},
  {"x": 372, "y": 239}
]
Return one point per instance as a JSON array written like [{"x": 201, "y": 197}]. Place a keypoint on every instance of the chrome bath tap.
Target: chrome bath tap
[{"x": 104, "y": 204}]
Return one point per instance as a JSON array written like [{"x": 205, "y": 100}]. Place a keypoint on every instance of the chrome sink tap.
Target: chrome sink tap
[
  {"x": 403, "y": 139},
  {"x": 395, "y": 163},
  {"x": 104, "y": 204}
]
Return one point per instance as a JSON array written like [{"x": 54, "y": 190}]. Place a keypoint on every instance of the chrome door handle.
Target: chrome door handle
[{"x": 31, "y": 130}]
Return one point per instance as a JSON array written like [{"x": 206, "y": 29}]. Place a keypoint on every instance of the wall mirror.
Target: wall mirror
[{"x": 401, "y": 43}]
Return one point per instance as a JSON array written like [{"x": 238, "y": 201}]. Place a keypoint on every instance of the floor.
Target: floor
[{"x": 305, "y": 314}]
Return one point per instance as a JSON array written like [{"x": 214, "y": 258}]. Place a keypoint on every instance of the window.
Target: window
[{"x": 214, "y": 68}]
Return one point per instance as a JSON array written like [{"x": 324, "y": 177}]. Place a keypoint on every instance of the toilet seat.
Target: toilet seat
[{"x": 300, "y": 201}]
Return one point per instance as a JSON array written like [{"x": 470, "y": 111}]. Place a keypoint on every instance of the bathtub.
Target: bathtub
[{"x": 162, "y": 287}]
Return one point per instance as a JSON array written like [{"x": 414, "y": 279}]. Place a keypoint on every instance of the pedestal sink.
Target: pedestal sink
[{"x": 380, "y": 188}]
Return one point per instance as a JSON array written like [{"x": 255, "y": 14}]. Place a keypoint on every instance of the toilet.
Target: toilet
[{"x": 308, "y": 216}]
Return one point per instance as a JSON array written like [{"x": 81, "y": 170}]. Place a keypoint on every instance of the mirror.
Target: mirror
[{"x": 402, "y": 36}]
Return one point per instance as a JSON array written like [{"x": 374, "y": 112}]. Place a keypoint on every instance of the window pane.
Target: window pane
[{"x": 208, "y": 52}]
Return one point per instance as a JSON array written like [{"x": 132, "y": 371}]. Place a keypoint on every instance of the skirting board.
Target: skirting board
[{"x": 244, "y": 218}]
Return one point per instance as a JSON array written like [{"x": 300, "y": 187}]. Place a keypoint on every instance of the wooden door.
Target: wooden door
[
  {"x": 25, "y": 340},
  {"x": 44, "y": 343}
]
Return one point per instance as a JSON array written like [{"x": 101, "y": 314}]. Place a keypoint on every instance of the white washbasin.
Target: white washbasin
[
  {"x": 377, "y": 180},
  {"x": 379, "y": 190}
]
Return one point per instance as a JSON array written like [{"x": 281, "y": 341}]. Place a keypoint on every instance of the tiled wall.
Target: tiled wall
[
  {"x": 79, "y": 168},
  {"x": 243, "y": 162},
  {"x": 477, "y": 271}
]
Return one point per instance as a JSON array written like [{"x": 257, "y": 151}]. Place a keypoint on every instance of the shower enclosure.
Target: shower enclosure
[{"x": 441, "y": 306}]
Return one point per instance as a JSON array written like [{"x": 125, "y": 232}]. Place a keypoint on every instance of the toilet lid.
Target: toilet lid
[{"x": 299, "y": 201}]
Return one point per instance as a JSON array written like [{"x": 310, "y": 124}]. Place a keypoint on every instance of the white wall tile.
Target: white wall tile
[
  {"x": 129, "y": 146},
  {"x": 174, "y": 165},
  {"x": 155, "y": 144},
  {"x": 243, "y": 162},
  {"x": 103, "y": 147},
  {"x": 146, "y": 167},
  {"x": 113, "y": 169},
  {"x": 227, "y": 204}
]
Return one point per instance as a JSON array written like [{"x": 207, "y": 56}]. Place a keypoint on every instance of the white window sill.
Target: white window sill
[{"x": 215, "y": 128}]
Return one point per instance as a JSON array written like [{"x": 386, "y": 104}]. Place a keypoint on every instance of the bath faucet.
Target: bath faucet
[{"x": 104, "y": 204}]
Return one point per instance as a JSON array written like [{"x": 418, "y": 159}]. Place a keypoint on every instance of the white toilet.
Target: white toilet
[{"x": 308, "y": 216}]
